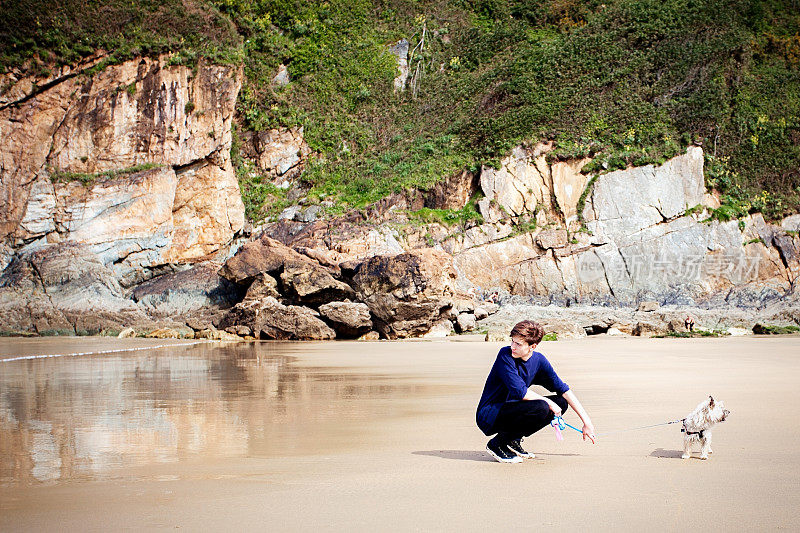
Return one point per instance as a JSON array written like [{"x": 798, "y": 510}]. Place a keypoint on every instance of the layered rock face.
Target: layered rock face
[
  {"x": 644, "y": 233},
  {"x": 174, "y": 124},
  {"x": 64, "y": 289},
  {"x": 527, "y": 187},
  {"x": 639, "y": 243}
]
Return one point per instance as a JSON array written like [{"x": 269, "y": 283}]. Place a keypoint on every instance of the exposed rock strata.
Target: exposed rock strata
[
  {"x": 640, "y": 245},
  {"x": 138, "y": 112},
  {"x": 638, "y": 242},
  {"x": 71, "y": 249},
  {"x": 528, "y": 187},
  {"x": 64, "y": 288}
]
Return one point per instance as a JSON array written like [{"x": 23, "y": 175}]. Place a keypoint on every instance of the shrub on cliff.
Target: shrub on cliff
[
  {"x": 63, "y": 32},
  {"x": 628, "y": 82}
]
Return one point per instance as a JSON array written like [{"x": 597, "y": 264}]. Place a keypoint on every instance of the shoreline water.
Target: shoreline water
[
  {"x": 126, "y": 345},
  {"x": 308, "y": 435}
]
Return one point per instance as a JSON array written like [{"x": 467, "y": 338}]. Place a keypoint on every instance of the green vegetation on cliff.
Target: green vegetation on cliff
[
  {"x": 41, "y": 33},
  {"x": 629, "y": 82}
]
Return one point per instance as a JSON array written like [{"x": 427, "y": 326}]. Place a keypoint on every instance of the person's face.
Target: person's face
[{"x": 520, "y": 348}]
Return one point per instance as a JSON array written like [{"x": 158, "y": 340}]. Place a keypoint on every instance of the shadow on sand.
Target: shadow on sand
[
  {"x": 666, "y": 454},
  {"x": 473, "y": 455},
  {"x": 542, "y": 454},
  {"x": 460, "y": 455}
]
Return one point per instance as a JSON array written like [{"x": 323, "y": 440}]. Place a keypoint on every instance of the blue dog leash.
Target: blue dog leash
[{"x": 558, "y": 421}]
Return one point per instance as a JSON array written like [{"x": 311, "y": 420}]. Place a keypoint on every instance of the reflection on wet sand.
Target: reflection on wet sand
[{"x": 87, "y": 417}]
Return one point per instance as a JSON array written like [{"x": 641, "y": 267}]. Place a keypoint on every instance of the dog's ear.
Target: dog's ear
[{"x": 711, "y": 401}]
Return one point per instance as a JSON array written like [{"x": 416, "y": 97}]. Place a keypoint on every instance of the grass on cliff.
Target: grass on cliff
[
  {"x": 45, "y": 33},
  {"x": 628, "y": 82},
  {"x": 87, "y": 179}
]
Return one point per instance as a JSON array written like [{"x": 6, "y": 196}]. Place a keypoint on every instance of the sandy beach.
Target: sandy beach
[{"x": 381, "y": 436}]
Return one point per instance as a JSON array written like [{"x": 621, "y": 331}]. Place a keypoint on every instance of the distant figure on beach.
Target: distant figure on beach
[
  {"x": 510, "y": 408},
  {"x": 689, "y": 323}
]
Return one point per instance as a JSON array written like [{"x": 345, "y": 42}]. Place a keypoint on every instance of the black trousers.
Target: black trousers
[{"x": 524, "y": 418}]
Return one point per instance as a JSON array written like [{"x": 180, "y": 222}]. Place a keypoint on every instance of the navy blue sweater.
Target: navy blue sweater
[{"x": 509, "y": 380}]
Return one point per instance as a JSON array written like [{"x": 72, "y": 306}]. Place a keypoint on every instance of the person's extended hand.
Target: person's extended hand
[
  {"x": 554, "y": 407},
  {"x": 588, "y": 432}
]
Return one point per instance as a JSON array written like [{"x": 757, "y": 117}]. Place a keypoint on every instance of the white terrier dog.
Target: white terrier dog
[{"x": 697, "y": 426}]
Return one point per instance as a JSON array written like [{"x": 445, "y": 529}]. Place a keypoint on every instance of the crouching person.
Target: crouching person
[{"x": 510, "y": 408}]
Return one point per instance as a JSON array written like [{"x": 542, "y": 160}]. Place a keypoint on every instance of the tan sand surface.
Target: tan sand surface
[{"x": 390, "y": 444}]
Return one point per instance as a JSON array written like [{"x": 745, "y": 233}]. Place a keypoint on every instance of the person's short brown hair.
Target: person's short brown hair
[{"x": 532, "y": 332}]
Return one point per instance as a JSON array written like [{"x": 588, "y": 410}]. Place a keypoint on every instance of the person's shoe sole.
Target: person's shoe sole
[{"x": 515, "y": 459}]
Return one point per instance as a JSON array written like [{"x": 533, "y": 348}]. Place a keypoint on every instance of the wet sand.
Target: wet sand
[{"x": 365, "y": 436}]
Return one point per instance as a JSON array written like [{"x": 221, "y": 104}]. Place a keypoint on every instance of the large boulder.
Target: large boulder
[
  {"x": 466, "y": 322},
  {"x": 308, "y": 282},
  {"x": 64, "y": 288},
  {"x": 407, "y": 293},
  {"x": 263, "y": 255},
  {"x": 267, "y": 318},
  {"x": 650, "y": 329},
  {"x": 263, "y": 285},
  {"x": 178, "y": 293},
  {"x": 349, "y": 319},
  {"x": 563, "y": 329},
  {"x": 302, "y": 278}
]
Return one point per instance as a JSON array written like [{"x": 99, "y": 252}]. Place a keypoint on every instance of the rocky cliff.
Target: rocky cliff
[
  {"x": 120, "y": 208},
  {"x": 551, "y": 234},
  {"x": 648, "y": 234},
  {"x": 132, "y": 161}
]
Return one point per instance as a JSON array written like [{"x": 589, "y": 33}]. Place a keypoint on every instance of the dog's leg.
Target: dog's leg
[
  {"x": 687, "y": 448},
  {"x": 705, "y": 445}
]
